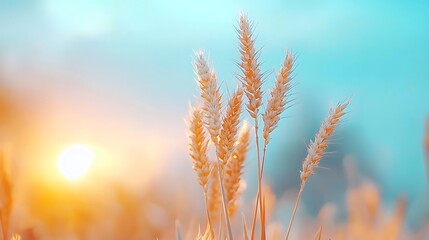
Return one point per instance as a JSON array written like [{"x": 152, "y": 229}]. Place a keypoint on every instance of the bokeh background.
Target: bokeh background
[{"x": 118, "y": 76}]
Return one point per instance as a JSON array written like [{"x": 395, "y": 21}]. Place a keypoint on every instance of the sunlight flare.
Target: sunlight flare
[{"x": 74, "y": 161}]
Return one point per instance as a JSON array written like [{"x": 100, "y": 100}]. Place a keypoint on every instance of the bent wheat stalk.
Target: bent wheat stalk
[
  {"x": 316, "y": 150},
  {"x": 212, "y": 110}
]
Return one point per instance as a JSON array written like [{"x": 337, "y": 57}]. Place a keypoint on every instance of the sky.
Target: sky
[{"x": 83, "y": 69}]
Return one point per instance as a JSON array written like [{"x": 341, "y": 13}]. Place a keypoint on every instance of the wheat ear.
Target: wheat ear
[
  {"x": 198, "y": 151},
  {"x": 251, "y": 76},
  {"x": 210, "y": 94},
  {"x": 212, "y": 109},
  {"x": 228, "y": 133},
  {"x": 252, "y": 82},
  {"x": 277, "y": 101},
  {"x": 234, "y": 168},
  {"x": 214, "y": 195},
  {"x": 316, "y": 150},
  {"x": 317, "y": 147}
]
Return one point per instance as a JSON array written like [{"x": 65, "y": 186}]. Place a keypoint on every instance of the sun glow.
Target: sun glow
[{"x": 74, "y": 161}]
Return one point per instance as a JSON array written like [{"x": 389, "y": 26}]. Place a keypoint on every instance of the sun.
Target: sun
[{"x": 74, "y": 161}]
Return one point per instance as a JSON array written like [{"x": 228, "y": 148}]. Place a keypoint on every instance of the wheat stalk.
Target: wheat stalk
[
  {"x": 316, "y": 150},
  {"x": 198, "y": 152},
  {"x": 251, "y": 79},
  {"x": 275, "y": 107},
  {"x": 212, "y": 108},
  {"x": 245, "y": 235}
]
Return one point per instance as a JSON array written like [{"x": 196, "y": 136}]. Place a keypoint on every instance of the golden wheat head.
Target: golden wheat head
[
  {"x": 277, "y": 101},
  {"x": 212, "y": 103},
  {"x": 198, "y": 147},
  {"x": 249, "y": 65},
  {"x": 228, "y": 133},
  {"x": 317, "y": 147},
  {"x": 234, "y": 168}
]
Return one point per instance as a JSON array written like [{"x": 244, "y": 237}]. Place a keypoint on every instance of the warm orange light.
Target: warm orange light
[{"x": 75, "y": 161}]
